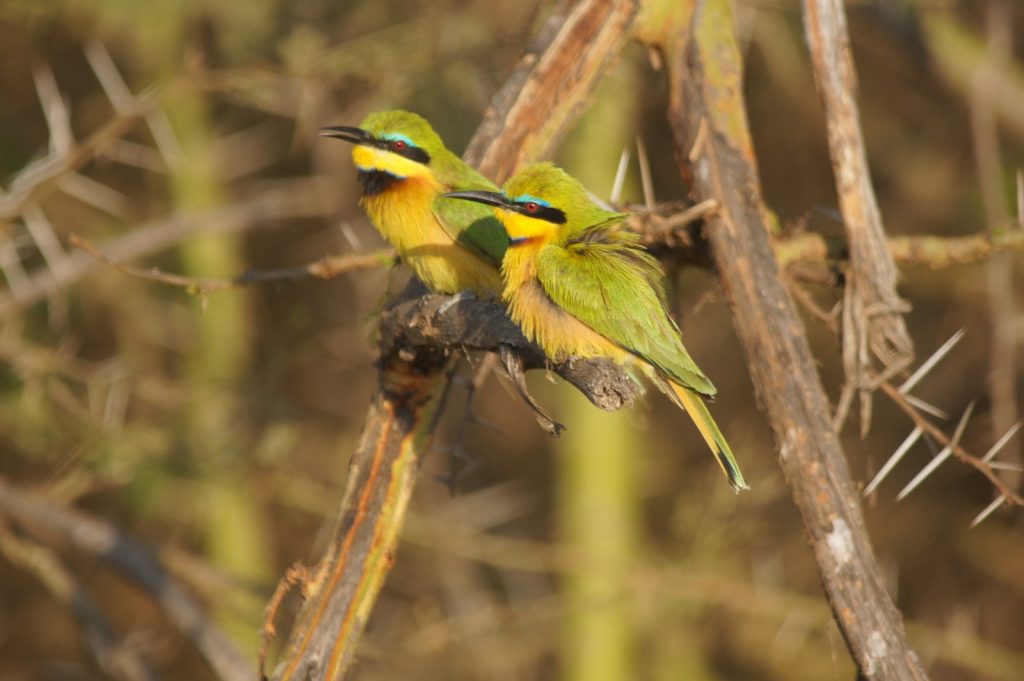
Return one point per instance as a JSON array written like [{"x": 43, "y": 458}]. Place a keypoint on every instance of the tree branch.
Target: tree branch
[
  {"x": 116, "y": 658},
  {"x": 433, "y": 321},
  {"x": 706, "y": 106},
  {"x": 872, "y": 310},
  {"x": 278, "y": 200},
  {"x": 545, "y": 91}
]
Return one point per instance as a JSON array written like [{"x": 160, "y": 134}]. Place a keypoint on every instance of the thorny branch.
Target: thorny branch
[
  {"x": 135, "y": 562},
  {"x": 33, "y": 183},
  {"x": 280, "y": 200},
  {"x": 713, "y": 145},
  {"x": 117, "y": 658},
  {"x": 872, "y": 310},
  {"x": 958, "y": 452}
]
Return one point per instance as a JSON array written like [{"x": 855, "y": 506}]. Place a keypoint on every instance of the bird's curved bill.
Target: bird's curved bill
[
  {"x": 347, "y": 133},
  {"x": 490, "y": 198}
]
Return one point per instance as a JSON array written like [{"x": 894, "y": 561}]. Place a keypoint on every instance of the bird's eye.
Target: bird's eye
[
  {"x": 531, "y": 206},
  {"x": 399, "y": 145}
]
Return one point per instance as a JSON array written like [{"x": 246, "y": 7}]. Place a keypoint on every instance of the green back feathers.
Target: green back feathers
[{"x": 597, "y": 271}]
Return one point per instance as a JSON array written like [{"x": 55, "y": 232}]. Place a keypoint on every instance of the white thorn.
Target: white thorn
[
  {"x": 1000, "y": 466},
  {"x": 41, "y": 231},
  {"x": 900, "y": 452},
  {"x": 940, "y": 457},
  {"x": 931, "y": 362},
  {"x": 1002, "y": 441},
  {"x": 645, "y": 173},
  {"x": 110, "y": 78},
  {"x": 926, "y": 407},
  {"x": 55, "y": 110},
  {"x": 620, "y": 177},
  {"x": 989, "y": 510}
]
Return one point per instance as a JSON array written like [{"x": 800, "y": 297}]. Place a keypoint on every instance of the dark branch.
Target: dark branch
[{"x": 433, "y": 321}]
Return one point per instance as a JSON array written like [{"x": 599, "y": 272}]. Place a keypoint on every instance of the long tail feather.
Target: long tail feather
[{"x": 698, "y": 411}]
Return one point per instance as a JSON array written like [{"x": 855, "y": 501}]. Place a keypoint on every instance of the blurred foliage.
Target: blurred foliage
[{"x": 220, "y": 428}]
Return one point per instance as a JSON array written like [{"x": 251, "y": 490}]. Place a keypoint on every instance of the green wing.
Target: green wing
[
  {"x": 608, "y": 282},
  {"x": 471, "y": 224}
]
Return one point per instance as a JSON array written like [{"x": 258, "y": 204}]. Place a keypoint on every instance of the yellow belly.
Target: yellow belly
[
  {"x": 558, "y": 333},
  {"x": 403, "y": 215}
]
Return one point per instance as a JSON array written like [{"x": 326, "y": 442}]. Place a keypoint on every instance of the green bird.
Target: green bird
[
  {"x": 579, "y": 284},
  {"x": 403, "y": 168}
]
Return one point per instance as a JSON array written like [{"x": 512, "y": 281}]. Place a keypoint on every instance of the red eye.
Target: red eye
[
  {"x": 531, "y": 206},
  {"x": 398, "y": 145}
]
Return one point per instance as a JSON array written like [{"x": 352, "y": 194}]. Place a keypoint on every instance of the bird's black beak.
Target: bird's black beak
[
  {"x": 490, "y": 198},
  {"x": 347, "y": 133}
]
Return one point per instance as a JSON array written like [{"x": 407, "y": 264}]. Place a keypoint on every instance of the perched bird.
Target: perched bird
[
  {"x": 579, "y": 284},
  {"x": 403, "y": 166}
]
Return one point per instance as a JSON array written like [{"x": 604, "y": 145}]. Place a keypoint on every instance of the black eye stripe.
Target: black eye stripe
[
  {"x": 546, "y": 213},
  {"x": 413, "y": 153}
]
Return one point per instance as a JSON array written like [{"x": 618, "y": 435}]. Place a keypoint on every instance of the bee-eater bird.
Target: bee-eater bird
[
  {"x": 579, "y": 284},
  {"x": 403, "y": 168}
]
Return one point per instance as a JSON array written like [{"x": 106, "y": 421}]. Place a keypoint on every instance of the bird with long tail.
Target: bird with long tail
[{"x": 579, "y": 284}]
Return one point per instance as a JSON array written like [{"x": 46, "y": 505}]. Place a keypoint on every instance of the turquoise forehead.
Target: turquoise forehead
[
  {"x": 396, "y": 137},
  {"x": 527, "y": 198}
]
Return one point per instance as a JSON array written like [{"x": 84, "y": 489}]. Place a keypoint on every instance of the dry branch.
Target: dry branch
[
  {"x": 545, "y": 91},
  {"x": 35, "y": 181},
  {"x": 280, "y": 200},
  {"x": 872, "y": 310},
  {"x": 116, "y": 658},
  {"x": 550, "y": 85},
  {"x": 926, "y": 426},
  {"x": 433, "y": 321},
  {"x": 42, "y": 516},
  {"x": 706, "y": 104},
  {"x": 327, "y": 267}
]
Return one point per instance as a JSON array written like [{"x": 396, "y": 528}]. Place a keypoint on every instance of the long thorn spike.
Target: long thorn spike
[
  {"x": 990, "y": 454},
  {"x": 940, "y": 457},
  {"x": 1012, "y": 467},
  {"x": 620, "y": 177},
  {"x": 930, "y": 363},
  {"x": 989, "y": 510},
  {"x": 927, "y": 407},
  {"x": 898, "y": 455}
]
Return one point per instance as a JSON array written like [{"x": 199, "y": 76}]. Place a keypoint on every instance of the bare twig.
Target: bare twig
[
  {"x": 935, "y": 252},
  {"x": 33, "y": 183},
  {"x": 281, "y": 200},
  {"x": 133, "y": 560},
  {"x": 872, "y": 310},
  {"x": 327, "y": 267},
  {"x": 118, "y": 659}
]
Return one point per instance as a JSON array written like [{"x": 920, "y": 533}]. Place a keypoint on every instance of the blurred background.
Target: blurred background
[{"x": 217, "y": 428}]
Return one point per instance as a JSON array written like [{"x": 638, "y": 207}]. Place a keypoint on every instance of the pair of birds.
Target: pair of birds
[{"x": 575, "y": 281}]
